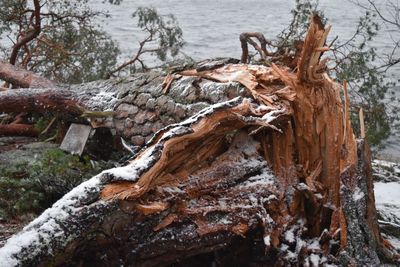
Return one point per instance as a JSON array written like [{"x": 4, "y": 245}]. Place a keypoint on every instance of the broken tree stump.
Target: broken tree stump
[{"x": 274, "y": 177}]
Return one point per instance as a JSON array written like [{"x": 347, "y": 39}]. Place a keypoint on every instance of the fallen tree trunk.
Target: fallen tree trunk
[
  {"x": 274, "y": 177},
  {"x": 133, "y": 108}
]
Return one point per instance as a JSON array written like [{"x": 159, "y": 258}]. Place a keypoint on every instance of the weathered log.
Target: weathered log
[{"x": 275, "y": 177}]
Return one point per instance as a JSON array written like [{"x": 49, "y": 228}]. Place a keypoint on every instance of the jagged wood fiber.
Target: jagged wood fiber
[{"x": 272, "y": 178}]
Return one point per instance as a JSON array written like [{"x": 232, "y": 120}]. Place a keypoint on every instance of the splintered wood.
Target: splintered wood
[
  {"x": 271, "y": 173},
  {"x": 296, "y": 118}
]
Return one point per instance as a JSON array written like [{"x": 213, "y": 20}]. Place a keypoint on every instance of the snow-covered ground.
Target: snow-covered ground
[{"x": 387, "y": 199}]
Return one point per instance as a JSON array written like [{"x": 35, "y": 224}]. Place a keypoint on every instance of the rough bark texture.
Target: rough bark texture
[
  {"x": 273, "y": 177},
  {"x": 140, "y": 108}
]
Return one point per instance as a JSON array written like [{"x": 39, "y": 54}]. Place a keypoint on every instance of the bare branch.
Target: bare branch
[
  {"x": 29, "y": 35},
  {"x": 262, "y": 48},
  {"x": 140, "y": 52}
]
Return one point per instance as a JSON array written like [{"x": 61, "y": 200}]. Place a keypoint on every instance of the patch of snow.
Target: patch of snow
[
  {"x": 387, "y": 195},
  {"x": 284, "y": 247},
  {"x": 300, "y": 243},
  {"x": 253, "y": 200},
  {"x": 289, "y": 236},
  {"x": 103, "y": 100},
  {"x": 303, "y": 186},
  {"x": 266, "y": 178},
  {"x": 267, "y": 219},
  {"x": 132, "y": 171},
  {"x": 269, "y": 199},
  {"x": 207, "y": 111},
  {"x": 222, "y": 203},
  {"x": 172, "y": 190},
  {"x": 291, "y": 256},
  {"x": 319, "y": 196},
  {"x": 314, "y": 258},
  {"x": 176, "y": 131},
  {"x": 263, "y": 108},
  {"x": 387, "y": 164},
  {"x": 314, "y": 245},
  {"x": 357, "y": 195},
  {"x": 270, "y": 116},
  {"x": 225, "y": 221},
  {"x": 267, "y": 240}
]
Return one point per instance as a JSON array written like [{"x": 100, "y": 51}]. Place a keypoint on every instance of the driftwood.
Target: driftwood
[{"x": 273, "y": 177}]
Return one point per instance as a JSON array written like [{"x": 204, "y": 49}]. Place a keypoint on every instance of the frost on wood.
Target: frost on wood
[{"x": 273, "y": 177}]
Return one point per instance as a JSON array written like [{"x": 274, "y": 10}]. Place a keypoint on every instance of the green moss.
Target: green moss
[{"x": 31, "y": 188}]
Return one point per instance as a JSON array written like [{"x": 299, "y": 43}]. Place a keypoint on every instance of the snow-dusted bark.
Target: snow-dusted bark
[{"x": 76, "y": 224}]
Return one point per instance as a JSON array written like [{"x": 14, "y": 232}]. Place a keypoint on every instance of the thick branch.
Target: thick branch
[
  {"x": 21, "y": 77},
  {"x": 40, "y": 100},
  {"x": 246, "y": 38},
  {"x": 31, "y": 33},
  {"x": 18, "y": 130}
]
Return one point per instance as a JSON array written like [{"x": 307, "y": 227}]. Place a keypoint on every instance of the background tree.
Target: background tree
[
  {"x": 58, "y": 39},
  {"x": 62, "y": 41},
  {"x": 164, "y": 37}
]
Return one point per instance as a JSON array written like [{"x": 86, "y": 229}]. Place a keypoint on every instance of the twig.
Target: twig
[
  {"x": 136, "y": 57},
  {"x": 49, "y": 125}
]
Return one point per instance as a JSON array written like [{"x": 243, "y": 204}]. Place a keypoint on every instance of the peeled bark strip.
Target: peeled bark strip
[{"x": 277, "y": 179}]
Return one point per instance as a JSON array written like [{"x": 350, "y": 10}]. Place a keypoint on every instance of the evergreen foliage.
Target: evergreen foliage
[{"x": 31, "y": 188}]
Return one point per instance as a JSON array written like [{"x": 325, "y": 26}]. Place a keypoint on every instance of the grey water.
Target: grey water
[{"x": 211, "y": 28}]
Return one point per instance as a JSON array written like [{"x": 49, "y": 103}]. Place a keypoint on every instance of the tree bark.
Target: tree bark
[
  {"x": 274, "y": 177},
  {"x": 21, "y": 77},
  {"x": 136, "y": 107},
  {"x": 18, "y": 130}
]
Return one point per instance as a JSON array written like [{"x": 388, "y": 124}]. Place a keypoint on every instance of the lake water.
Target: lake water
[{"x": 211, "y": 28}]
